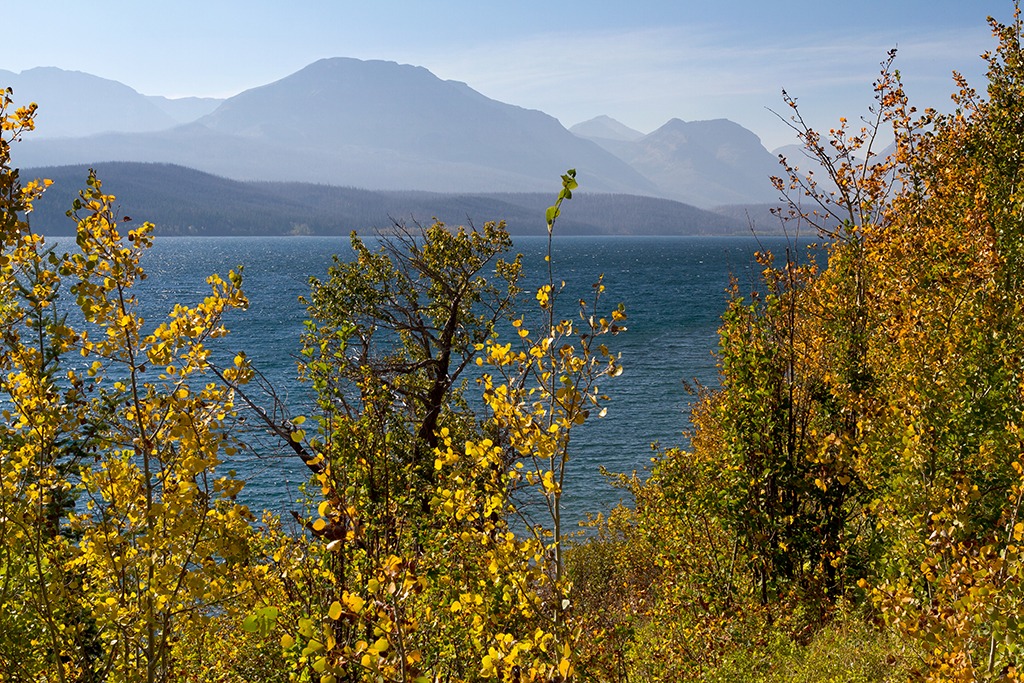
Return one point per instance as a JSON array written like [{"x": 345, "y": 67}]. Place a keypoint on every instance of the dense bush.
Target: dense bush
[{"x": 865, "y": 445}]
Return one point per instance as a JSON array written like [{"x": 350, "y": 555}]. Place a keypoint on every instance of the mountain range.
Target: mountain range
[
  {"x": 705, "y": 163},
  {"x": 73, "y": 104},
  {"x": 383, "y": 126}
]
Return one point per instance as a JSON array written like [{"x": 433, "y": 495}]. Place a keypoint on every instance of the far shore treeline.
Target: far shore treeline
[{"x": 183, "y": 201}]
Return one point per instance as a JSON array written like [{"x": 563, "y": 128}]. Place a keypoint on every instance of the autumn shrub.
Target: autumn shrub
[
  {"x": 865, "y": 446},
  {"x": 411, "y": 557},
  {"x": 217, "y": 651},
  {"x": 847, "y": 650},
  {"x": 664, "y": 599},
  {"x": 120, "y": 529},
  {"x": 614, "y": 577}
]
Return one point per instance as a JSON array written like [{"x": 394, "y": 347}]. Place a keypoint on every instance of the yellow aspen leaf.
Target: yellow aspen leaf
[
  {"x": 353, "y": 602},
  {"x": 563, "y": 667}
]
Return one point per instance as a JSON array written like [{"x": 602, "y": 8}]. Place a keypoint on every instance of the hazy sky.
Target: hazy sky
[{"x": 642, "y": 64}]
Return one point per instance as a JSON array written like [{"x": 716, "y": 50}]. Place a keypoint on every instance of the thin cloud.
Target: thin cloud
[{"x": 648, "y": 76}]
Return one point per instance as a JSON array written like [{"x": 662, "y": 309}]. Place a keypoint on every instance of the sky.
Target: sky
[{"x": 642, "y": 62}]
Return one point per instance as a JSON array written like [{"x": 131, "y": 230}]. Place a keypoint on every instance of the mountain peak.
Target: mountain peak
[
  {"x": 64, "y": 112},
  {"x": 376, "y": 124},
  {"x": 606, "y": 128},
  {"x": 704, "y": 163}
]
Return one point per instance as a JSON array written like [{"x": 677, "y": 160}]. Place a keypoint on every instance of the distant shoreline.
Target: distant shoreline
[{"x": 183, "y": 201}]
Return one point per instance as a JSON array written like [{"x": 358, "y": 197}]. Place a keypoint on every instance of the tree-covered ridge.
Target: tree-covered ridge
[
  {"x": 849, "y": 506},
  {"x": 182, "y": 201}
]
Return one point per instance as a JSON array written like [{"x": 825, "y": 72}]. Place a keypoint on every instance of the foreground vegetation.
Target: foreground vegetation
[{"x": 849, "y": 507}]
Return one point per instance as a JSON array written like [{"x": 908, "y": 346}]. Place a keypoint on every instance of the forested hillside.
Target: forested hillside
[{"x": 182, "y": 201}]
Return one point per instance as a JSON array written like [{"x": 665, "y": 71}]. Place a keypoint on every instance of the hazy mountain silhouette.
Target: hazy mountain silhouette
[
  {"x": 76, "y": 104},
  {"x": 606, "y": 128},
  {"x": 704, "y": 163},
  {"x": 384, "y": 126},
  {"x": 185, "y": 109},
  {"x": 377, "y": 125}
]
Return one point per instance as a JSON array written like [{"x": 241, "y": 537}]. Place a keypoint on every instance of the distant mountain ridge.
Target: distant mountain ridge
[
  {"x": 605, "y": 128},
  {"x": 385, "y": 126},
  {"x": 77, "y": 104},
  {"x": 183, "y": 201},
  {"x": 374, "y": 124},
  {"x": 704, "y": 163},
  {"x": 185, "y": 109}
]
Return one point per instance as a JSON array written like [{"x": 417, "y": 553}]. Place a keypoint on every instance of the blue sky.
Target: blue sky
[{"x": 641, "y": 62}]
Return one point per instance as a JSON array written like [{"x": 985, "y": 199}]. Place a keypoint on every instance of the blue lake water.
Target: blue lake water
[{"x": 674, "y": 290}]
